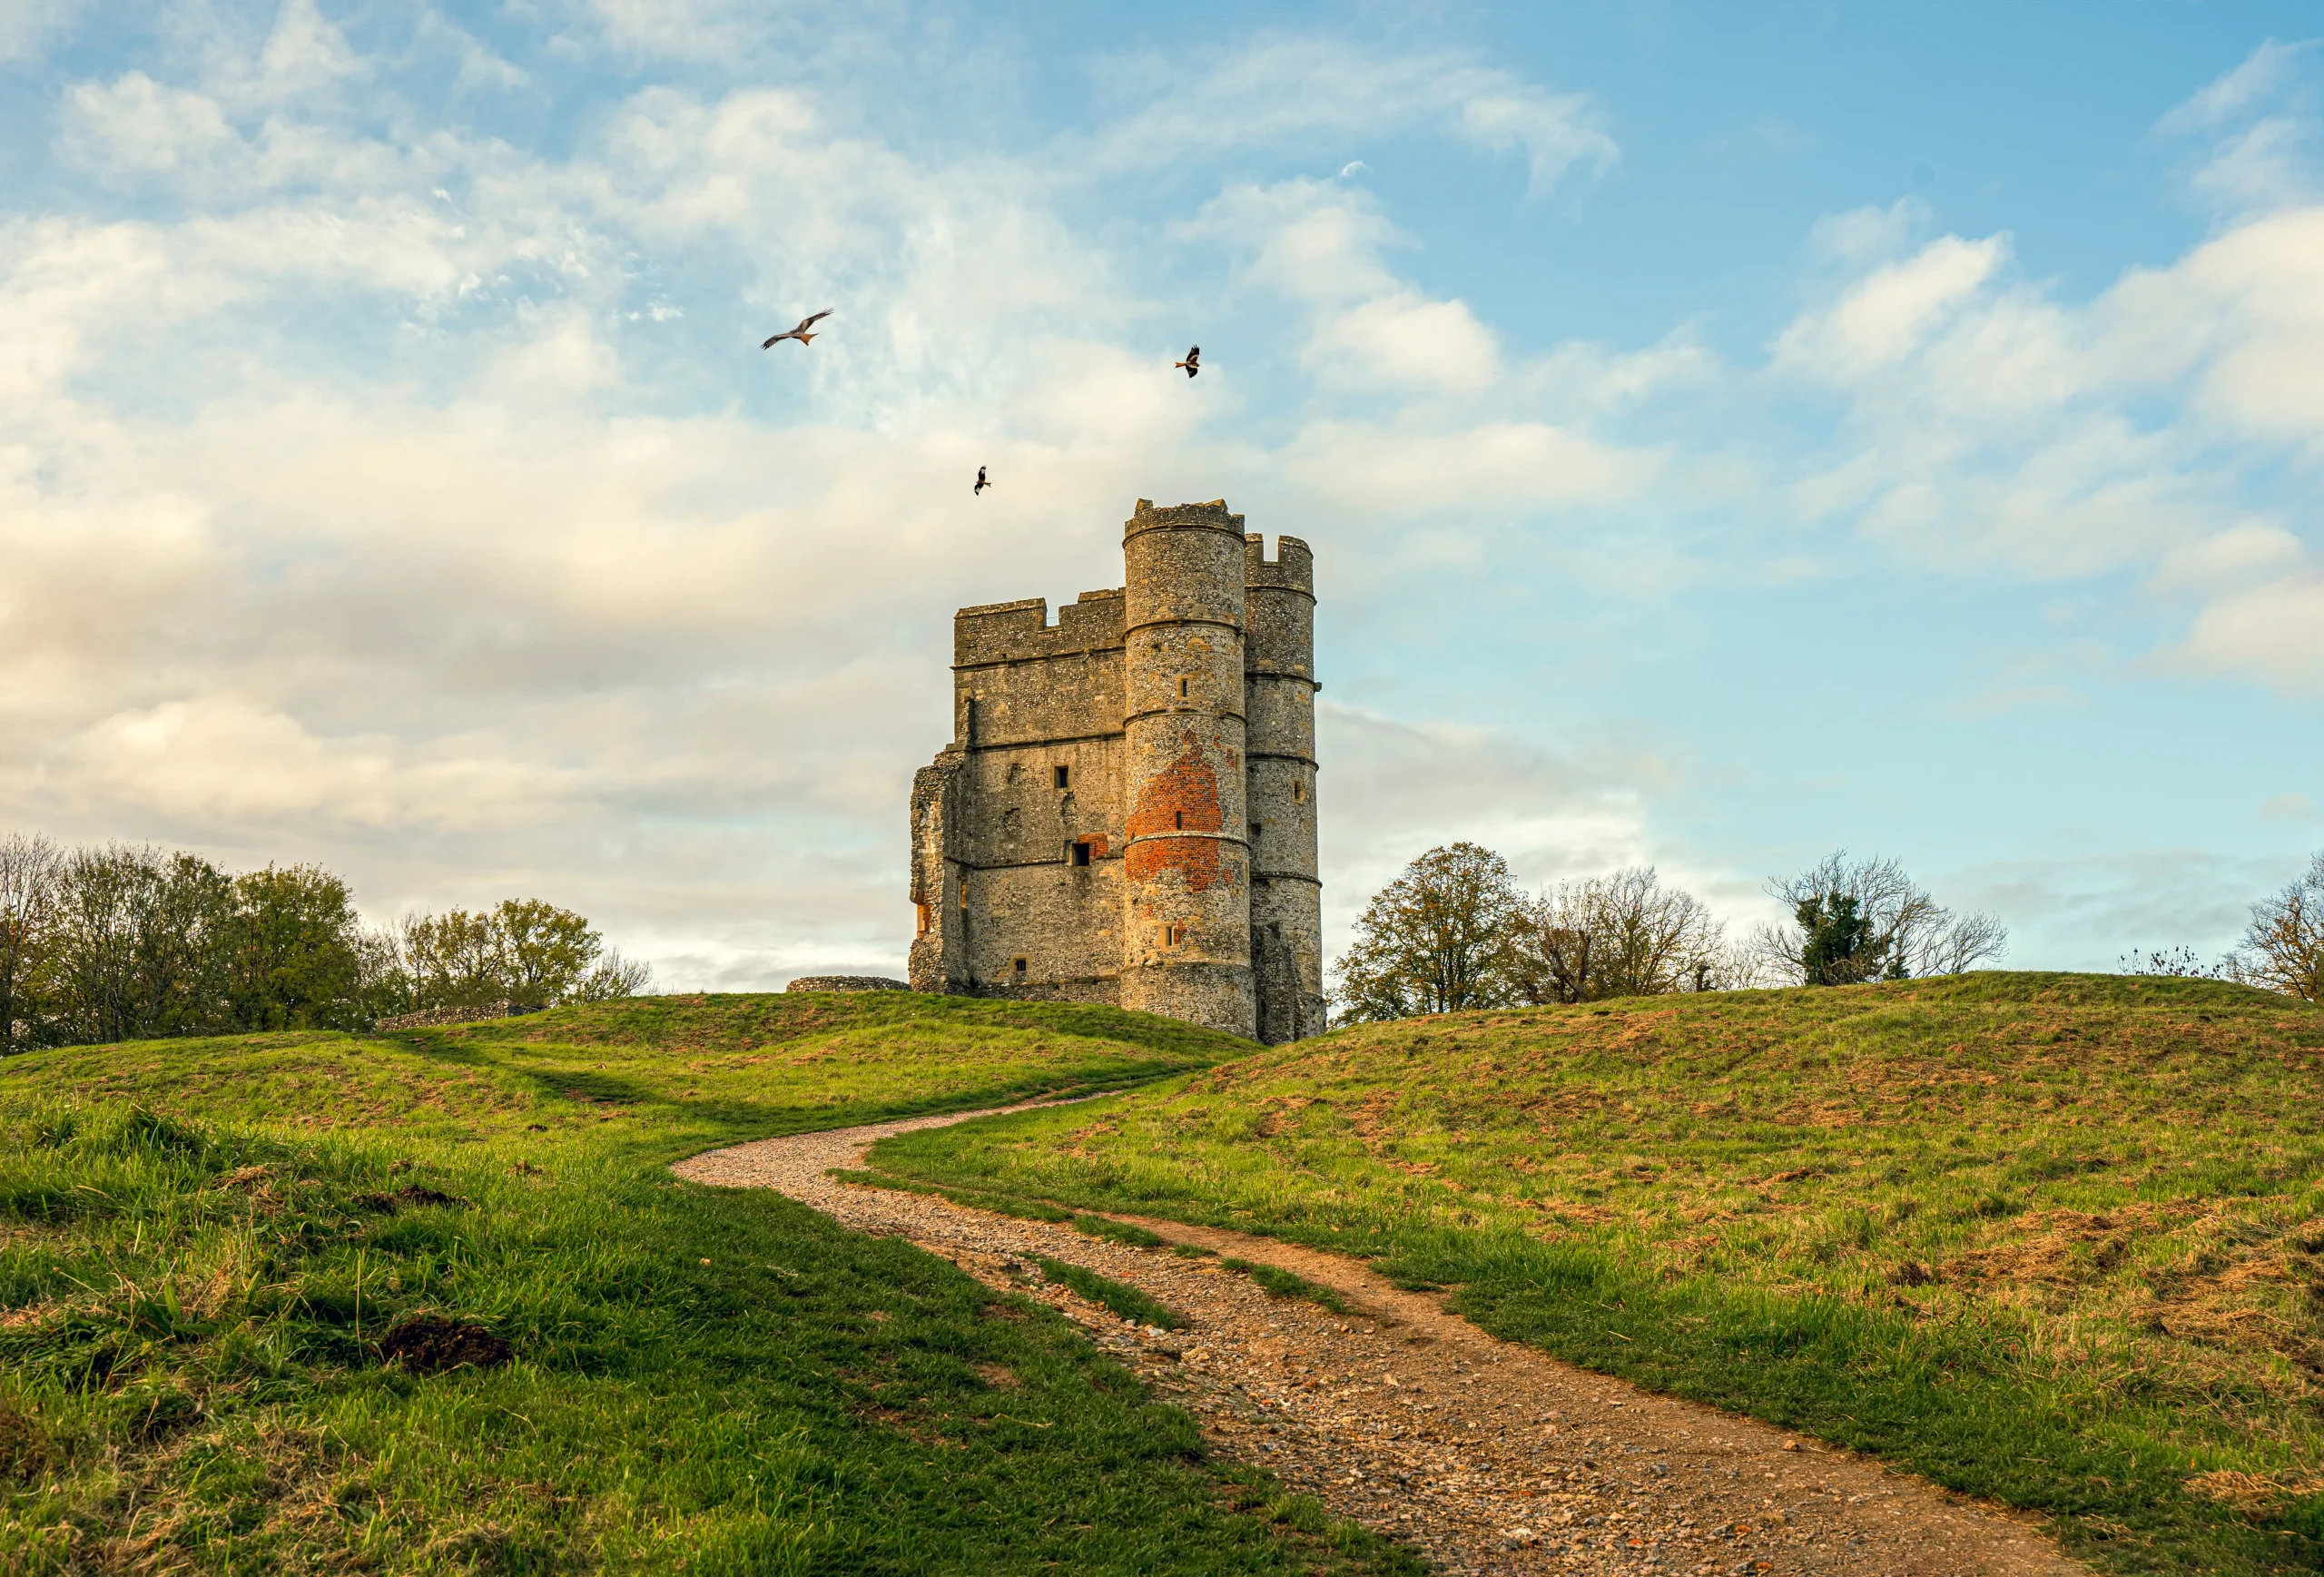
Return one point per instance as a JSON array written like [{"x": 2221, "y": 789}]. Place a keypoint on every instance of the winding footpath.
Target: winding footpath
[{"x": 1482, "y": 1455}]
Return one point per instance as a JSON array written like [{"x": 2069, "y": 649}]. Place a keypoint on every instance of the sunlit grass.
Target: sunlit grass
[
  {"x": 2059, "y": 1239},
  {"x": 203, "y": 1242}
]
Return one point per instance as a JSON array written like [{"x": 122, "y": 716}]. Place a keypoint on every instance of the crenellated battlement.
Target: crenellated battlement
[
  {"x": 1292, "y": 568},
  {"x": 1213, "y": 516},
  {"x": 1016, "y": 632}
]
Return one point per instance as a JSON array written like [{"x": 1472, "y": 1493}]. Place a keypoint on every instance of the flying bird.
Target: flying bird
[
  {"x": 981, "y": 483},
  {"x": 1193, "y": 363},
  {"x": 800, "y": 333}
]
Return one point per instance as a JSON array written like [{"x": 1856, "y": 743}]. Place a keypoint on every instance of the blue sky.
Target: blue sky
[{"x": 1727, "y": 434}]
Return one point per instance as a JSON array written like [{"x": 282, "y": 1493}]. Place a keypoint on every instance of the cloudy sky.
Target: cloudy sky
[{"x": 1726, "y": 433}]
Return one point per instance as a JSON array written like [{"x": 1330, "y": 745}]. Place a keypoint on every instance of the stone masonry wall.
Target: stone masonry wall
[{"x": 1093, "y": 830}]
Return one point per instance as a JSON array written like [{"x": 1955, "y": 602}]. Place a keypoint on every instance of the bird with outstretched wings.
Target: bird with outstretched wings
[
  {"x": 800, "y": 333},
  {"x": 1193, "y": 363},
  {"x": 981, "y": 483}
]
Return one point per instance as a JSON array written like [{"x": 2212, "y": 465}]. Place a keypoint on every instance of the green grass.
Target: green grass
[
  {"x": 1117, "y": 1296},
  {"x": 1276, "y": 1282},
  {"x": 203, "y": 1242},
  {"x": 2055, "y": 1240}
]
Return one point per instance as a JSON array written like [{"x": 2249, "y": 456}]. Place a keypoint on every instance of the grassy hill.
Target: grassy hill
[
  {"x": 2057, "y": 1239},
  {"x": 209, "y": 1249}
]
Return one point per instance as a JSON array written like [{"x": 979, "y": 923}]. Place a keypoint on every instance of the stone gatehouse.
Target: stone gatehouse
[{"x": 1127, "y": 812}]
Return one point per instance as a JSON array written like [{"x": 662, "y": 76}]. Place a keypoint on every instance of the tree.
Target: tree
[
  {"x": 1434, "y": 941},
  {"x": 142, "y": 945},
  {"x": 614, "y": 976},
  {"x": 1624, "y": 935},
  {"x": 453, "y": 959},
  {"x": 544, "y": 951},
  {"x": 522, "y": 951},
  {"x": 28, "y": 872},
  {"x": 296, "y": 962},
  {"x": 1862, "y": 920},
  {"x": 2283, "y": 949}
]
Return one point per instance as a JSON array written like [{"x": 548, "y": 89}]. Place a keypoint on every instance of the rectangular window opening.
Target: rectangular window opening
[
  {"x": 1018, "y": 966},
  {"x": 923, "y": 920},
  {"x": 1082, "y": 853},
  {"x": 1065, "y": 777},
  {"x": 1179, "y": 819},
  {"x": 1182, "y": 689}
]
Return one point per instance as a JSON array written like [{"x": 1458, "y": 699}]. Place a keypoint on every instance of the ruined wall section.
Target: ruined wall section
[
  {"x": 938, "y": 950},
  {"x": 1035, "y": 848},
  {"x": 1186, "y": 881},
  {"x": 1286, "y": 887}
]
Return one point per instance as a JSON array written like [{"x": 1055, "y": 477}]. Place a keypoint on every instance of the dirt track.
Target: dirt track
[{"x": 1483, "y": 1456}]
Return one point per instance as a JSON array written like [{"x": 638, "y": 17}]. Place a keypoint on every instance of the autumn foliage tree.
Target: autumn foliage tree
[
  {"x": 1436, "y": 940},
  {"x": 2283, "y": 948}
]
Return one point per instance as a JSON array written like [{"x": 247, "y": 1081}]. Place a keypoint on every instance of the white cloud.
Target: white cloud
[
  {"x": 1864, "y": 237},
  {"x": 26, "y": 27},
  {"x": 136, "y": 125},
  {"x": 303, "y": 54},
  {"x": 2258, "y": 77},
  {"x": 1892, "y": 312},
  {"x": 1283, "y": 88},
  {"x": 1404, "y": 339},
  {"x": 2274, "y": 631},
  {"x": 1406, "y": 469},
  {"x": 1394, "y": 789}
]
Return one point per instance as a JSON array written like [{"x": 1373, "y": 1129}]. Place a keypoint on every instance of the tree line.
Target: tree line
[
  {"x": 119, "y": 943},
  {"x": 1456, "y": 931}
]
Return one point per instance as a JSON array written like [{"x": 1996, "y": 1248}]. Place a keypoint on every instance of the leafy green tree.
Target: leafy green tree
[
  {"x": 296, "y": 961},
  {"x": 1437, "y": 940},
  {"x": 453, "y": 959},
  {"x": 522, "y": 951},
  {"x": 545, "y": 952},
  {"x": 143, "y": 944},
  {"x": 1838, "y": 947}
]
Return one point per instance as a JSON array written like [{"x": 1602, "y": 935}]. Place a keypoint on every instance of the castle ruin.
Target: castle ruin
[{"x": 1127, "y": 812}]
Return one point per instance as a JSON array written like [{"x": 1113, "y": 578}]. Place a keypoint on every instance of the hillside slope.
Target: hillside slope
[
  {"x": 229, "y": 1269},
  {"x": 2058, "y": 1239}
]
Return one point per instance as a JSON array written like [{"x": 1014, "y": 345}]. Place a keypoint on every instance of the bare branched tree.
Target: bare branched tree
[
  {"x": 1624, "y": 935},
  {"x": 2283, "y": 949},
  {"x": 1862, "y": 920},
  {"x": 1434, "y": 941},
  {"x": 28, "y": 870}
]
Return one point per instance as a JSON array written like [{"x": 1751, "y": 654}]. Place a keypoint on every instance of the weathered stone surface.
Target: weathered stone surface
[
  {"x": 846, "y": 983},
  {"x": 1127, "y": 810}
]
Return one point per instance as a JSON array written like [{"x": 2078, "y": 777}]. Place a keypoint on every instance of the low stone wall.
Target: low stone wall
[
  {"x": 846, "y": 983},
  {"x": 474, "y": 1013}
]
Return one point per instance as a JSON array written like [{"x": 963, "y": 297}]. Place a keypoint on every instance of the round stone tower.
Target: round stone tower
[
  {"x": 1279, "y": 709},
  {"x": 1185, "y": 867}
]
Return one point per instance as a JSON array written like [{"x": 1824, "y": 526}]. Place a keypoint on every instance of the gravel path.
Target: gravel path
[{"x": 1483, "y": 1456}]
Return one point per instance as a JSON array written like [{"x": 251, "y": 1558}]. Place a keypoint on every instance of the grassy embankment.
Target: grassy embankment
[
  {"x": 2055, "y": 1240},
  {"x": 202, "y": 1244}
]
